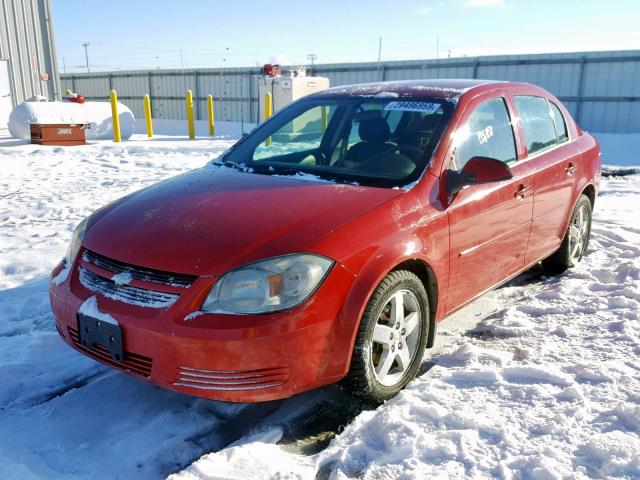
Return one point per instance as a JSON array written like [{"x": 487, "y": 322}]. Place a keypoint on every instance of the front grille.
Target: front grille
[
  {"x": 231, "y": 379},
  {"x": 134, "y": 363},
  {"x": 139, "y": 273},
  {"x": 125, "y": 293}
]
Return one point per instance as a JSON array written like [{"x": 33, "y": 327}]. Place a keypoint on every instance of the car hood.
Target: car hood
[{"x": 210, "y": 220}]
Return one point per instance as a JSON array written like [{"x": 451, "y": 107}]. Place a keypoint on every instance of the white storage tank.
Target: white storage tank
[{"x": 287, "y": 88}]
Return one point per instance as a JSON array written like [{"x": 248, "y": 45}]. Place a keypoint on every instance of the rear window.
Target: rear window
[
  {"x": 537, "y": 121},
  {"x": 560, "y": 123}
]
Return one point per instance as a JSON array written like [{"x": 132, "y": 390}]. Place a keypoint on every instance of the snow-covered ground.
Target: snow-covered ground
[{"x": 538, "y": 379}]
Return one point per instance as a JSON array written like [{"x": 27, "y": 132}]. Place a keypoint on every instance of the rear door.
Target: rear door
[
  {"x": 6, "y": 102},
  {"x": 489, "y": 224},
  {"x": 555, "y": 160}
]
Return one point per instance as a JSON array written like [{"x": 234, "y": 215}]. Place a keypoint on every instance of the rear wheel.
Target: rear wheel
[
  {"x": 576, "y": 239},
  {"x": 391, "y": 338}
]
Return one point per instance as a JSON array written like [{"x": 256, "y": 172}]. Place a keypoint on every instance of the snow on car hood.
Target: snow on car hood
[{"x": 210, "y": 220}]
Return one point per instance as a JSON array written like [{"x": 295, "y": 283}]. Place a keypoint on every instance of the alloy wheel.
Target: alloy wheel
[
  {"x": 578, "y": 234},
  {"x": 395, "y": 337}
]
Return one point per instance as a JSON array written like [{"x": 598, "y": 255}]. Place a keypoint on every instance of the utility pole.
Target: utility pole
[
  {"x": 184, "y": 80},
  {"x": 86, "y": 55},
  {"x": 64, "y": 66},
  {"x": 379, "y": 54},
  {"x": 312, "y": 57},
  {"x": 437, "y": 48}
]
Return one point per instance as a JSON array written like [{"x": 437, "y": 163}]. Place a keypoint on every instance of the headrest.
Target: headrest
[
  {"x": 429, "y": 122},
  {"x": 374, "y": 130}
]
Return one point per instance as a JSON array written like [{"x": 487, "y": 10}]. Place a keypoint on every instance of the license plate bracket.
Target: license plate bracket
[{"x": 92, "y": 331}]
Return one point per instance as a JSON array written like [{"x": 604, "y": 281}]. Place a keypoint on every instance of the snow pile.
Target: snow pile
[
  {"x": 97, "y": 115},
  {"x": 47, "y": 191},
  {"x": 90, "y": 309},
  {"x": 62, "y": 276}
]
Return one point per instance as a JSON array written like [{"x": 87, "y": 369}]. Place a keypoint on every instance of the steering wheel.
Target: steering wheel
[{"x": 416, "y": 151}]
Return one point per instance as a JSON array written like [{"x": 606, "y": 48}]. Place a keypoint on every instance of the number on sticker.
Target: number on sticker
[{"x": 425, "y": 107}]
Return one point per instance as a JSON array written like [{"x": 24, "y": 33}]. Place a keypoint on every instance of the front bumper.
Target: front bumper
[{"x": 236, "y": 358}]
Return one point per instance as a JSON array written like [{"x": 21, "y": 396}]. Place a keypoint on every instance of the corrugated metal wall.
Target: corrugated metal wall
[
  {"x": 601, "y": 89},
  {"x": 26, "y": 40}
]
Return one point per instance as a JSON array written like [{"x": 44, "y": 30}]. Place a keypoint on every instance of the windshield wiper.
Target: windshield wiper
[{"x": 231, "y": 164}]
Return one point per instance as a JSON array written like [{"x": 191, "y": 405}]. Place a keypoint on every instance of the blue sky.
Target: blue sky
[{"x": 148, "y": 34}]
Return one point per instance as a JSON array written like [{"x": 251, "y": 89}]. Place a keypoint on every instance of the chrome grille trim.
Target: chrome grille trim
[
  {"x": 219, "y": 377},
  {"x": 125, "y": 293},
  {"x": 139, "y": 273},
  {"x": 219, "y": 387},
  {"x": 231, "y": 379}
]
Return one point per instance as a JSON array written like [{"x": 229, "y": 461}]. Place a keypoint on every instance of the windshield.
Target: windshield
[{"x": 383, "y": 142}]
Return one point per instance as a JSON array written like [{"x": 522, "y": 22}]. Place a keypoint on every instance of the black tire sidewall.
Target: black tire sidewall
[
  {"x": 398, "y": 280},
  {"x": 582, "y": 201},
  {"x": 561, "y": 260}
]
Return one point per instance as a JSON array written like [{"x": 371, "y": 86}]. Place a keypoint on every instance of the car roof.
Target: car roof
[{"x": 443, "y": 89}]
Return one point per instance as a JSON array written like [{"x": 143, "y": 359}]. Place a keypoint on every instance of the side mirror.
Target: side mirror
[{"x": 476, "y": 171}]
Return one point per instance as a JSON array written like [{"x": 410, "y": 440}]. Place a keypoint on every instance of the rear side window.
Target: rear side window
[
  {"x": 487, "y": 133},
  {"x": 537, "y": 122},
  {"x": 561, "y": 125}
]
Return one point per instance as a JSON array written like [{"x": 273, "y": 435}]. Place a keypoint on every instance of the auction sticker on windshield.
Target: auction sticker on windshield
[{"x": 426, "y": 107}]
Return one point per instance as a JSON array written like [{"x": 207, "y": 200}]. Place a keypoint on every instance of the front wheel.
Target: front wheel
[
  {"x": 576, "y": 239},
  {"x": 391, "y": 338}
]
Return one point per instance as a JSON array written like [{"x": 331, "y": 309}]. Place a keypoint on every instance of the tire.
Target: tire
[
  {"x": 576, "y": 239},
  {"x": 398, "y": 347}
]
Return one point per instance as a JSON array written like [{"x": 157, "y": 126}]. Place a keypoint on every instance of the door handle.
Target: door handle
[
  {"x": 522, "y": 191},
  {"x": 570, "y": 169}
]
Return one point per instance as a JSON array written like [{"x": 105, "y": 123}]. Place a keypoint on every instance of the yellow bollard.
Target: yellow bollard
[
  {"x": 325, "y": 118},
  {"x": 113, "y": 98},
  {"x": 268, "y": 106},
  {"x": 147, "y": 114},
  {"x": 268, "y": 111},
  {"x": 190, "y": 123},
  {"x": 210, "y": 110}
]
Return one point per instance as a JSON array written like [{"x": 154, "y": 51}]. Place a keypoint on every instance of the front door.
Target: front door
[
  {"x": 488, "y": 224},
  {"x": 6, "y": 102}
]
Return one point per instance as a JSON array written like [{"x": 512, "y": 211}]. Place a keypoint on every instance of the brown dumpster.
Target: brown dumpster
[{"x": 58, "y": 134}]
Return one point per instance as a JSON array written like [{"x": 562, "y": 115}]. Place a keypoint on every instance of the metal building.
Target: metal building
[
  {"x": 27, "y": 54},
  {"x": 601, "y": 89}
]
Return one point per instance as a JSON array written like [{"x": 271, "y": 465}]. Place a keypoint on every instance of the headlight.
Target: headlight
[
  {"x": 76, "y": 241},
  {"x": 268, "y": 286}
]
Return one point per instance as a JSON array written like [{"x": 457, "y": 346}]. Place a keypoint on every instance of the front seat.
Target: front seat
[{"x": 375, "y": 134}]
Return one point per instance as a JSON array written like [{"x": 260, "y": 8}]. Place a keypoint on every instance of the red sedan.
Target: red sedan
[{"x": 326, "y": 245}]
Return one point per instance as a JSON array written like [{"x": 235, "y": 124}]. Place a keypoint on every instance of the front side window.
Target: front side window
[
  {"x": 367, "y": 140},
  {"x": 537, "y": 122},
  {"x": 486, "y": 133}
]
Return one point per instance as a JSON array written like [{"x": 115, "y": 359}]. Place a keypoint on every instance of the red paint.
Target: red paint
[{"x": 204, "y": 223}]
